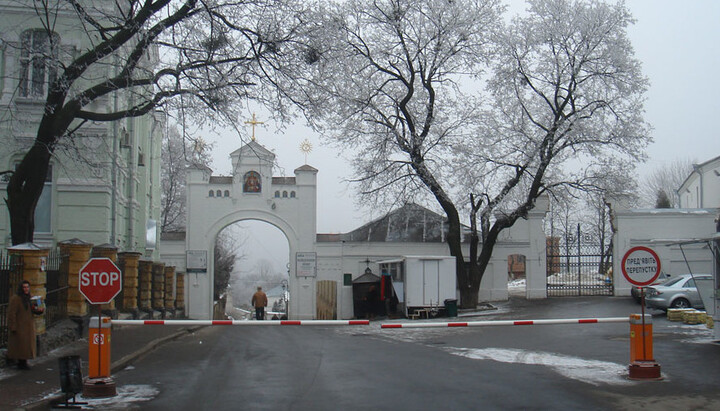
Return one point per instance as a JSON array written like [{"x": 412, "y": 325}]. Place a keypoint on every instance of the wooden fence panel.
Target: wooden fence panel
[{"x": 326, "y": 300}]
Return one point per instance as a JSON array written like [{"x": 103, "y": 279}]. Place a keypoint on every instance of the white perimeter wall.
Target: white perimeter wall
[{"x": 660, "y": 230}]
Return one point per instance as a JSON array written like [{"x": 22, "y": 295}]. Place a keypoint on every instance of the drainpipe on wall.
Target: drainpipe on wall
[
  {"x": 113, "y": 174},
  {"x": 133, "y": 163}
]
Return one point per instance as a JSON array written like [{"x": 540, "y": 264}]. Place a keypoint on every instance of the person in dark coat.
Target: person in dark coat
[
  {"x": 259, "y": 301},
  {"x": 21, "y": 341}
]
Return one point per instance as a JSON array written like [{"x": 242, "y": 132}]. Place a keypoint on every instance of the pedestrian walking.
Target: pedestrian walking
[
  {"x": 21, "y": 341},
  {"x": 259, "y": 301}
]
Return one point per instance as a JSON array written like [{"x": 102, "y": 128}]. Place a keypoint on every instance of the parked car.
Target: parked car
[
  {"x": 677, "y": 292},
  {"x": 635, "y": 290}
]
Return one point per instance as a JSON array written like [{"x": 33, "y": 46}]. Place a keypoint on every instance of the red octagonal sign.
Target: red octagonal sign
[{"x": 100, "y": 280}]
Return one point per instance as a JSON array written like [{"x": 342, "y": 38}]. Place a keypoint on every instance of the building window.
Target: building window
[
  {"x": 251, "y": 182},
  {"x": 277, "y": 194},
  {"x": 284, "y": 194},
  {"x": 227, "y": 193},
  {"x": 218, "y": 193},
  {"x": 43, "y": 210},
  {"x": 211, "y": 193},
  {"x": 38, "y": 62},
  {"x": 292, "y": 194}
]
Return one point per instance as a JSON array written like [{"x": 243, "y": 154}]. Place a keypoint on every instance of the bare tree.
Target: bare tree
[
  {"x": 567, "y": 109},
  {"x": 566, "y": 106},
  {"x": 665, "y": 179},
  {"x": 178, "y": 153},
  {"x": 146, "y": 54},
  {"x": 224, "y": 256},
  {"x": 388, "y": 78}
]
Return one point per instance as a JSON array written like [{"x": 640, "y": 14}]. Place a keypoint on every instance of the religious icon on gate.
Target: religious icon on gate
[{"x": 251, "y": 182}]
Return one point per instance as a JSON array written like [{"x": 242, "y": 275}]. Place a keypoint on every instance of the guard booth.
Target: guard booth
[{"x": 365, "y": 304}]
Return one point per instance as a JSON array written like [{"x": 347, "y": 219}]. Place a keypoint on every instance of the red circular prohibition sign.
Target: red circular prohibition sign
[{"x": 638, "y": 282}]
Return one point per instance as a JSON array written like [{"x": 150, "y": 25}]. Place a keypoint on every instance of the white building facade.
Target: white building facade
[
  {"x": 103, "y": 185},
  {"x": 701, "y": 189},
  {"x": 672, "y": 233}
]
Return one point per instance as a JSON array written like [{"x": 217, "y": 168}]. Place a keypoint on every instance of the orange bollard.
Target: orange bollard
[
  {"x": 99, "y": 348},
  {"x": 642, "y": 363},
  {"x": 641, "y": 339},
  {"x": 99, "y": 383}
]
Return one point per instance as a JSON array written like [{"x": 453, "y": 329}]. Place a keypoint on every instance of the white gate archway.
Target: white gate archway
[{"x": 250, "y": 193}]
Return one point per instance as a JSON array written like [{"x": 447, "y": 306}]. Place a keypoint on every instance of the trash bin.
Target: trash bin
[
  {"x": 71, "y": 381},
  {"x": 451, "y": 307}
]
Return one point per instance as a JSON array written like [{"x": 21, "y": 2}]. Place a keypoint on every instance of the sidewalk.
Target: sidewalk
[{"x": 36, "y": 388}]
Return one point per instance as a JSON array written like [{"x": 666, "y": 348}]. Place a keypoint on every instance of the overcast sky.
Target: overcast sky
[{"x": 677, "y": 43}]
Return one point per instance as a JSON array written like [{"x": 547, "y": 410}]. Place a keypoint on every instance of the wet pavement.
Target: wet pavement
[{"x": 38, "y": 387}]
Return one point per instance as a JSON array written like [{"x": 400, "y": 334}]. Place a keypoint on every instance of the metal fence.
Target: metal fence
[
  {"x": 57, "y": 285},
  {"x": 11, "y": 267},
  {"x": 577, "y": 265}
]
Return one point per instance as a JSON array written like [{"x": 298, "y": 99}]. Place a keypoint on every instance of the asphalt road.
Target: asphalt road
[{"x": 352, "y": 368}]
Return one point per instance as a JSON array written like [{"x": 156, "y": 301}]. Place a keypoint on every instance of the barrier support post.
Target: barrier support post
[
  {"x": 642, "y": 364},
  {"x": 99, "y": 383}
]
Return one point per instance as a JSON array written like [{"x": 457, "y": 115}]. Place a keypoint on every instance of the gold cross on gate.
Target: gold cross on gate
[{"x": 253, "y": 122}]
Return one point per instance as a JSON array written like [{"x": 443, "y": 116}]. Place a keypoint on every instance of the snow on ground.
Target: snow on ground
[
  {"x": 590, "y": 371},
  {"x": 127, "y": 397},
  {"x": 519, "y": 283},
  {"x": 6, "y": 372},
  {"x": 696, "y": 333}
]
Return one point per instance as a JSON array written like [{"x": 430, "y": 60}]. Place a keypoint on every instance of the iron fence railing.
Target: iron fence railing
[
  {"x": 11, "y": 267},
  {"x": 56, "y": 286},
  {"x": 578, "y": 266}
]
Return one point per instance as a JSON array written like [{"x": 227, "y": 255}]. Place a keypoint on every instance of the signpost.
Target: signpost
[
  {"x": 641, "y": 267},
  {"x": 100, "y": 281}
]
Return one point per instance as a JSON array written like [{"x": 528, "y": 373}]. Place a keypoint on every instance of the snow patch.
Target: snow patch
[
  {"x": 127, "y": 395},
  {"x": 590, "y": 371},
  {"x": 519, "y": 283},
  {"x": 6, "y": 373},
  {"x": 697, "y": 333}
]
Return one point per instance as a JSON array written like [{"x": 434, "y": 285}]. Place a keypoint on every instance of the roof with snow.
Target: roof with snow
[
  {"x": 368, "y": 277},
  {"x": 410, "y": 223}
]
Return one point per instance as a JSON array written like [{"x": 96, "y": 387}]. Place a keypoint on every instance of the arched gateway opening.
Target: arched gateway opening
[
  {"x": 251, "y": 190},
  {"x": 258, "y": 253}
]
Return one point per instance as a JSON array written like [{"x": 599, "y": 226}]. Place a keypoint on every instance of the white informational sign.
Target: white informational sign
[
  {"x": 305, "y": 264},
  {"x": 196, "y": 261}
]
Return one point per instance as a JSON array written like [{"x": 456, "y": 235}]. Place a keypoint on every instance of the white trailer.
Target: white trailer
[{"x": 422, "y": 283}]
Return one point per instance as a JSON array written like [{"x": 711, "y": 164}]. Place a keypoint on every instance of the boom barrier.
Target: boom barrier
[
  {"x": 236, "y": 322},
  {"x": 509, "y": 322},
  {"x": 367, "y": 322}
]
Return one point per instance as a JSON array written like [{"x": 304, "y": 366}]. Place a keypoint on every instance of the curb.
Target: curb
[{"x": 116, "y": 366}]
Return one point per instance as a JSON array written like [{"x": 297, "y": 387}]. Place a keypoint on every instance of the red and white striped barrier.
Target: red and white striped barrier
[
  {"x": 236, "y": 322},
  {"x": 508, "y": 322}
]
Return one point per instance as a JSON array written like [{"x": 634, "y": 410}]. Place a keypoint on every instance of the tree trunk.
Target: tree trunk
[
  {"x": 24, "y": 190},
  {"x": 469, "y": 293},
  {"x": 454, "y": 237}
]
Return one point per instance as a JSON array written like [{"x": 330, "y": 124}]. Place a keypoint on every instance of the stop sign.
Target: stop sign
[{"x": 100, "y": 280}]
